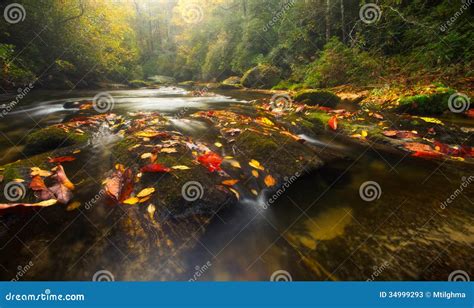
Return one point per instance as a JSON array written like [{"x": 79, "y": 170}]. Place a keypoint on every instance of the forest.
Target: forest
[
  {"x": 236, "y": 140},
  {"x": 303, "y": 43}
]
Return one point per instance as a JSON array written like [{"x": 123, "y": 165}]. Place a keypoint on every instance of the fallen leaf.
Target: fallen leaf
[
  {"x": 256, "y": 164},
  {"x": 37, "y": 171},
  {"x": 218, "y": 144},
  {"x": 254, "y": 192},
  {"x": 146, "y": 155},
  {"x": 211, "y": 161},
  {"x": 255, "y": 173},
  {"x": 151, "y": 134},
  {"x": 264, "y": 121},
  {"x": 168, "y": 150},
  {"x": 180, "y": 167},
  {"x": 151, "y": 210},
  {"x": 235, "y": 164},
  {"x": 131, "y": 201},
  {"x": 61, "y": 159},
  {"x": 422, "y": 150},
  {"x": 401, "y": 134},
  {"x": 231, "y": 182},
  {"x": 74, "y": 205},
  {"x": 145, "y": 192},
  {"x": 39, "y": 204},
  {"x": 41, "y": 191},
  {"x": 154, "y": 168},
  {"x": 269, "y": 181},
  {"x": 62, "y": 178},
  {"x": 333, "y": 122},
  {"x": 235, "y": 192},
  {"x": 432, "y": 120},
  {"x": 62, "y": 193}
]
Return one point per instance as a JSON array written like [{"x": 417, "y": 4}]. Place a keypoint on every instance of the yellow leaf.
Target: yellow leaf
[
  {"x": 151, "y": 210},
  {"x": 76, "y": 151},
  {"x": 432, "y": 120},
  {"x": 18, "y": 180},
  {"x": 364, "y": 133},
  {"x": 37, "y": 171},
  {"x": 142, "y": 200},
  {"x": 146, "y": 155},
  {"x": 235, "y": 164},
  {"x": 255, "y": 173},
  {"x": 218, "y": 144},
  {"x": 47, "y": 202},
  {"x": 73, "y": 206},
  {"x": 254, "y": 192},
  {"x": 256, "y": 164},
  {"x": 236, "y": 193},
  {"x": 231, "y": 182},
  {"x": 168, "y": 150},
  {"x": 180, "y": 167},
  {"x": 269, "y": 181},
  {"x": 149, "y": 134},
  {"x": 146, "y": 192},
  {"x": 265, "y": 121},
  {"x": 131, "y": 201}
]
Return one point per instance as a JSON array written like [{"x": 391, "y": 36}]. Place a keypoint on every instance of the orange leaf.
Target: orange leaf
[
  {"x": 333, "y": 122},
  {"x": 230, "y": 182},
  {"x": 269, "y": 181}
]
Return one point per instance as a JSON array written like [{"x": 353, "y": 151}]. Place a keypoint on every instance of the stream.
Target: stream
[{"x": 319, "y": 229}]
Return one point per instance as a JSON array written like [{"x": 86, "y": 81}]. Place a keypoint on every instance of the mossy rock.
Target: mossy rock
[
  {"x": 426, "y": 104},
  {"x": 317, "y": 97},
  {"x": 233, "y": 80},
  {"x": 261, "y": 77},
  {"x": 50, "y": 138},
  {"x": 188, "y": 83},
  {"x": 223, "y": 86},
  {"x": 138, "y": 83}
]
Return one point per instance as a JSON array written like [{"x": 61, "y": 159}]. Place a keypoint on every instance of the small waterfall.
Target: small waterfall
[{"x": 103, "y": 139}]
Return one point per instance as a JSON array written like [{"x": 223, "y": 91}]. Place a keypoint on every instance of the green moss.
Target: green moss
[
  {"x": 50, "y": 138},
  {"x": 427, "y": 104},
  {"x": 317, "y": 97},
  {"x": 319, "y": 119},
  {"x": 234, "y": 80},
  {"x": 12, "y": 171},
  {"x": 262, "y": 76}
]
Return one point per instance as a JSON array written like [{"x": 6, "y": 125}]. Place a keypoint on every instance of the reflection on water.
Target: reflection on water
[{"x": 319, "y": 229}]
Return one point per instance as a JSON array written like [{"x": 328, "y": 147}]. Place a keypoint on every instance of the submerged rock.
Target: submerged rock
[{"x": 317, "y": 97}]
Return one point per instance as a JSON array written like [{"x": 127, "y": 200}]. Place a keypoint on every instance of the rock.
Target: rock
[
  {"x": 188, "y": 83},
  {"x": 426, "y": 104},
  {"x": 233, "y": 80},
  {"x": 317, "y": 97},
  {"x": 138, "y": 84},
  {"x": 52, "y": 137},
  {"x": 262, "y": 76},
  {"x": 223, "y": 86}
]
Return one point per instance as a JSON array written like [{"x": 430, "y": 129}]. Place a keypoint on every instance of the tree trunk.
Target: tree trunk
[
  {"x": 328, "y": 20},
  {"x": 343, "y": 24}
]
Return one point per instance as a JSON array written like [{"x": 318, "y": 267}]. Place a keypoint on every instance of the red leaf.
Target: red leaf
[
  {"x": 62, "y": 193},
  {"x": 401, "y": 134},
  {"x": 61, "y": 159},
  {"x": 333, "y": 123},
  {"x": 470, "y": 113},
  {"x": 42, "y": 192},
  {"x": 211, "y": 161},
  {"x": 127, "y": 185},
  {"x": 155, "y": 168},
  {"x": 120, "y": 185},
  {"x": 422, "y": 150}
]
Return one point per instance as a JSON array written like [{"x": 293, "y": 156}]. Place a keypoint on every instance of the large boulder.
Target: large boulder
[
  {"x": 427, "y": 104},
  {"x": 262, "y": 76},
  {"x": 317, "y": 97},
  {"x": 233, "y": 80}
]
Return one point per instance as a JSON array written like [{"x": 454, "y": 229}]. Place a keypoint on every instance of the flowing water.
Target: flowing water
[{"x": 319, "y": 229}]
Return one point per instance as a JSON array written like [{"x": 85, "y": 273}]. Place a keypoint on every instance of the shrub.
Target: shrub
[{"x": 261, "y": 76}]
